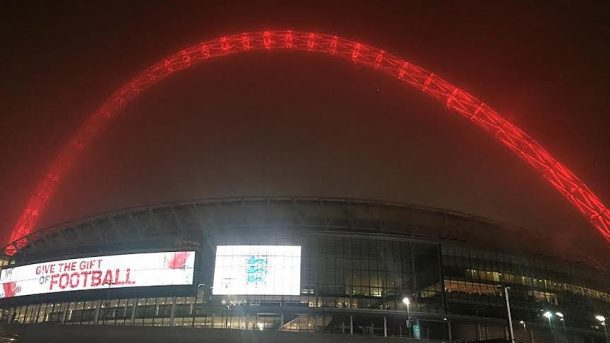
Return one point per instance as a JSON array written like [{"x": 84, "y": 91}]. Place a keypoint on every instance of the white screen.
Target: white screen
[
  {"x": 257, "y": 270},
  {"x": 102, "y": 272}
]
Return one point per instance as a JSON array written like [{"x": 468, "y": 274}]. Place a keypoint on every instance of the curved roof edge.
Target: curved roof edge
[{"x": 467, "y": 238}]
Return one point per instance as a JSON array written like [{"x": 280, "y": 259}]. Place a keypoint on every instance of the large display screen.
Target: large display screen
[
  {"x": 101, "y": 272},
  {"x": 257, "y": 270}
]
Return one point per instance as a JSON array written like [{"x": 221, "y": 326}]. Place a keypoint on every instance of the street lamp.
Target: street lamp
[
  {"x": 563, "y": 323},
  {"x": 548, "y": 315},
  {"x": 407, "y": 302},
  {"x": 602, "y": 320}
]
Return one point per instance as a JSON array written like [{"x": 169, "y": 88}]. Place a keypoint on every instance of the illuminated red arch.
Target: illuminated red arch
[{"x": 562, "y": 179}]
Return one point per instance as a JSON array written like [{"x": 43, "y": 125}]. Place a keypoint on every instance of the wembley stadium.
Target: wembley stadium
[
  {"x": 296, "y": 269},
  {"x": 281, "y": 267}
]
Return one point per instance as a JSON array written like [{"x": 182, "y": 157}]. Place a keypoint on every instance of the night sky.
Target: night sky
[{"x": 285, "y": 123}]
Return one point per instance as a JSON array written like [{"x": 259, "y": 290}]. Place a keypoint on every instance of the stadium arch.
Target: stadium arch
[{"x": 454, "y": 98}]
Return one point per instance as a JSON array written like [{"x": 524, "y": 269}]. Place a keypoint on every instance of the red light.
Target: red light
[
  {"x": 205, "y": 51},
  {"x": 427, "y": 82},
  {"x": 245, "y": 41},
  {"x": 356, "y": 52},
  {"x": 267, "y": 39},
  {"x": 451, "y": 96},
  {"x": 558, "y": 176},
  {"x": 403, "y": 70},
  {"x": 168, "y": 66},
  {"x": 288, "y": 39},
  {"x": 311, "y": 40},
  {"x": 185, "y": 57},
  {"x": 333, "y": 45},
  {"x": 379, "y": 58},
  {"x": 477, "y": 111},
  {"x": 224, "y": 44}
]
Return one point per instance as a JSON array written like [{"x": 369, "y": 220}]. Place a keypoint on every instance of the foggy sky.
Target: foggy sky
[{"x": 286, "y": 123}]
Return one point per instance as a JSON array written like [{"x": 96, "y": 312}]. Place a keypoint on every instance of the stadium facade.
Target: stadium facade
[{"x": 324, "y": 265}]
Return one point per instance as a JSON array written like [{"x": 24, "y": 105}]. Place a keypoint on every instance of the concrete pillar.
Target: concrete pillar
[
  {"x": 63, "y": 316},
  {"x": 450, "y": 335},
  {"x": 172, "y": 312},
  {"x": 385, "y": 327},
  {"x": 96, "y": 315},
  {"x": 9, "y": 319},
  {"x": 39, "y": 306},
  {"x": 133, "y": 313}
]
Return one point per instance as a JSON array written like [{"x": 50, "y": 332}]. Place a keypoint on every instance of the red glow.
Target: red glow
[
  {"x": 356, "y": 52},
  {"x": 311, "y": 41},
  {"x": 560, "y": 177},
  {"x": 205, "y": 51},
  {"x": 267, "y": 39},
  {"x": 333, "y": 45},
  {"x": 245, "y": 41},
  {"x": 288, "y": 38},
  {"x": 224, "y": 44},
  {"x": 379, "y": 58}
]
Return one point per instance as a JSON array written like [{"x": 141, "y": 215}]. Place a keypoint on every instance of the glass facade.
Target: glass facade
[
  {"x": 360, "y": 280},
  {"x": 355, "y": 279}
]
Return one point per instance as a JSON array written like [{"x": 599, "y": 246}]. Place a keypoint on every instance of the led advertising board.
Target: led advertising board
[
  {"x": 100, "y": 272},
  {"x": 257, "y": 270}
]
